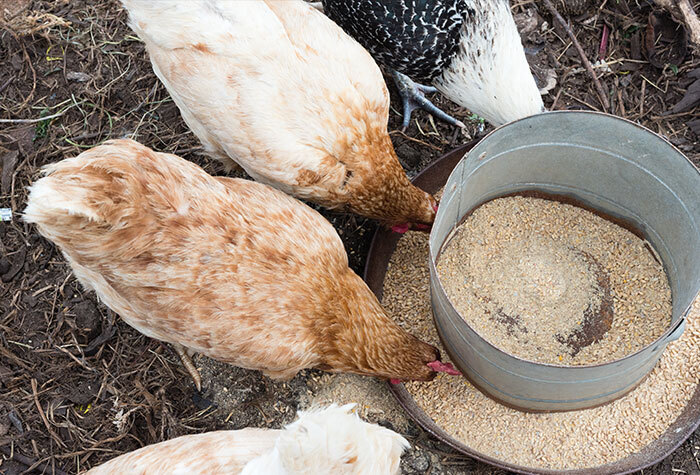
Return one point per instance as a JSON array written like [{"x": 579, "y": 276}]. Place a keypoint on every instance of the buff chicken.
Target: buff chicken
[
  {"x": 469, "y": 50},
  {"x": 279, "y": 89},
  {"x": 332, "y": 440},
  {"x": 227, "y": 267}
]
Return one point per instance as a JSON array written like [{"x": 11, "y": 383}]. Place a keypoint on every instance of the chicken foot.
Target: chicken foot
[
  {"x": 413, "y": 95},
  {"x": 189, "y": 365}
]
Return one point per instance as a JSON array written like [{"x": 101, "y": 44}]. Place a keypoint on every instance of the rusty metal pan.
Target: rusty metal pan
[{"x": 383, "y": 246}]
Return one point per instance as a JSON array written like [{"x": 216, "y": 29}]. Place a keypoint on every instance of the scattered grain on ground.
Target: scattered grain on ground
[
  {"x": 578, "y": 439},
  {"x": 374, "y": 402}
]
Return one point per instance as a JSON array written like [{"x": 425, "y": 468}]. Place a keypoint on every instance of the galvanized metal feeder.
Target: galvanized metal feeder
[{"x": 611, "y": 165}]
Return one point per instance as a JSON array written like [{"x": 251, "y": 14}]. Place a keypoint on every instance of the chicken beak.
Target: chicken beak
[
  {"x": 400, "y": 228},
  {"x": 440, "y": 367},
  {"x": 422, "y": 227}
]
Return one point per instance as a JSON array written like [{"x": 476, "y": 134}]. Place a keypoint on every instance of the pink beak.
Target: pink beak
[
  {"x": 441, "y": 367},
  {"x": 395, "y": 381},
  {"x": 400, "y": 228}
]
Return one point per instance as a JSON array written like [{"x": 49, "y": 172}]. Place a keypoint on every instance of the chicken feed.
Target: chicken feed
[
  {"x": 554, "y": 283},
  {"x": 564, "y": 440}
]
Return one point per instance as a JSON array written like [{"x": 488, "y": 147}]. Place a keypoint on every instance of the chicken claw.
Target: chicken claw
[
  {"x": 413, "y": 95},
  {"x": 189, "y": 365}
]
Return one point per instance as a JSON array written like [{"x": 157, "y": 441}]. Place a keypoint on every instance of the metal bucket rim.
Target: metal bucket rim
[
  {"x": 584, "y": 112},
  {"x": 662, "y": 339}
]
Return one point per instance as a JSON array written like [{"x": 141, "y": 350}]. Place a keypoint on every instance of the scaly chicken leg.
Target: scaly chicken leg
[
  {"x": 413, "y": 95},
  {"x": 189, "y": 365}
]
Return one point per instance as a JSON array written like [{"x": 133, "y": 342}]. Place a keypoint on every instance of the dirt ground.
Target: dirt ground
[{"x": 77, "y": 385}]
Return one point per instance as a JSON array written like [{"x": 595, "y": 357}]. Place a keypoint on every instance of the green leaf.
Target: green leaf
[{"x": 42, "y": 128}]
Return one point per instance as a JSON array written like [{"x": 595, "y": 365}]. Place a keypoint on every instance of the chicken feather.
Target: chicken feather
[
  {"x": 278, "y": 88},
  {"x": 217, "y": 452},
  {"x": 227, "y": 267},
  {"x": 331, "y": 440},
  {"x": 470, "y": 50}
]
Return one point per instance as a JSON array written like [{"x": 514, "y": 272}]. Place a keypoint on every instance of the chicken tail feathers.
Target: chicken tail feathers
[
  {"x": 80, "y": 187},
  {"x": 98, "y": 200}
]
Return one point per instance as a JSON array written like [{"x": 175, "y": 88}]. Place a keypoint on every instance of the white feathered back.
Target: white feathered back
[
  {"x": 490, "y": 75},
  {"x": 332, "y": 440}
]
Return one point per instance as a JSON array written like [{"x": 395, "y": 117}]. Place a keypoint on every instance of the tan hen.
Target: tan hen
[
  {"x": 227, "y": 267},
  {"x": 280, "y": 89}
]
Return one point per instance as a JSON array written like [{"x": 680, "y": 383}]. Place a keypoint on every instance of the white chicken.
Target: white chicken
[
  {"x": 470, "y": 50},
  {"x": 226, "y": 267},
  {"x": 322, "y": 441},
  {"x": 280, "y": 89}
]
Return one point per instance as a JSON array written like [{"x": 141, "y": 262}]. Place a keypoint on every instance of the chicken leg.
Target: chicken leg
[
  {"x": 189, "y": 365},
  {"x": 413, "y": 95}
]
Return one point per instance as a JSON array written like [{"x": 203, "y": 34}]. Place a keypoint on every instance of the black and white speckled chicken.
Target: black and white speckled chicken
[{"x": 469, "y": 50}]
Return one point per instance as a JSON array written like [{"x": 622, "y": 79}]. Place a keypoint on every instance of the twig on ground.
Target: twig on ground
[
  {"x": 621, "y": 103},
  {"x": 584, "y": 59},
  {"x": 43, "y": 466},
  {"x": 32, "y": 121},
  {"x": 21, "y": 363},
  {"x": 578, "y": 99},
  {"x": 7, "y": 83},
  {"x": 184, "y": 151},
  {"x": 556, "y": 99},
  {"x": 43, "y": 416},
  {"x": 408, "y": 137}
]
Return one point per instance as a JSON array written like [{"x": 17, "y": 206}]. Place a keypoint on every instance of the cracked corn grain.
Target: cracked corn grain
[
  {"x": 553, "y": 283},
  {"x": 568, "y": 440}
]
